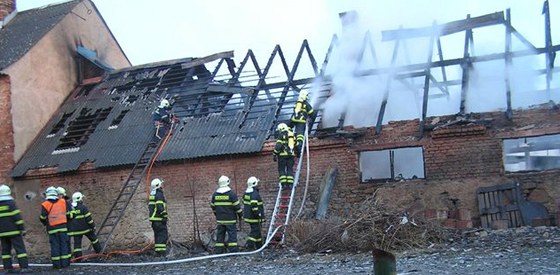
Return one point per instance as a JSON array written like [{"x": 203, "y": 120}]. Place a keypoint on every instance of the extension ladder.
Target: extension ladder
[
  {"x": 116, "y": 212},
  {"x": 283, "y": 206}
]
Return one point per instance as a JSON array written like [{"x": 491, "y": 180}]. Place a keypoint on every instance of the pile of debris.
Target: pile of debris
[{"x": 369, "y": 225}]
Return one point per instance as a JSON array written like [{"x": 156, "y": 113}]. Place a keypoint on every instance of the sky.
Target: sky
[{"x": 152, "y": 31}]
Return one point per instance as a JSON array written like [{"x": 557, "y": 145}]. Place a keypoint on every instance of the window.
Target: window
[
  {"x": 532, "y": 153},
  {"x": 392, "y": 164}
]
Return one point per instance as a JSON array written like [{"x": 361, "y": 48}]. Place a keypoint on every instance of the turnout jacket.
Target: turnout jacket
[
  {"x": 11, "y": 223},
  {"x": 285, "y": 144},
  {"x": 226, "y": 207},
  {"x": 55, "y": 215},
  {"x": 253, "y": 207},
  {"x": 302, "y": 110},
  {"x": 82, "y": 222},
  {"x": 162, "y": 115},
  {"x": 157, "y": 206}
]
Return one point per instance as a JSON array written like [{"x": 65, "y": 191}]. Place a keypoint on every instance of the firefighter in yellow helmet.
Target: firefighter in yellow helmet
[
  {"x": 303, "y": 114},
  {"x": 227, "y": 209},
  {"x": 253, "y": 213},
  {"x": 284, "y": 155},
  {"x": 157, "y": 207}
]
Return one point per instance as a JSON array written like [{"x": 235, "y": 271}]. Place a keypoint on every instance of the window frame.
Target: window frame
[{"x": 394, "y": 175}]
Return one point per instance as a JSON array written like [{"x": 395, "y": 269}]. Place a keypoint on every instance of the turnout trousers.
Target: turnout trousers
[{"x": 17, "y": 243}]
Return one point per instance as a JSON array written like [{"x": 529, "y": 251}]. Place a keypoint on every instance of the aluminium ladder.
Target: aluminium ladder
[
  {"x": 284, "y": 200},
  {"x": 128, "y": 190}
]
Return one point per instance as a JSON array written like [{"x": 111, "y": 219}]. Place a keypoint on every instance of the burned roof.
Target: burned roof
[
  {"x": 27, "y": 28},
  {"x": 109, "y": 123}
]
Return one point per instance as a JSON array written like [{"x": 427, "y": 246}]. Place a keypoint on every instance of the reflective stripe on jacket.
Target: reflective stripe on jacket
[
  {"x": 157, "y": 206},
  {"x": 226, "y": 207},
  {"x": 253, "y": 207},
  {"x": 11, "y": 223},
  {"x": 82, "y": 222},
  {"x": 302, "y": 110},
  {"x": 285, "y": 144}
]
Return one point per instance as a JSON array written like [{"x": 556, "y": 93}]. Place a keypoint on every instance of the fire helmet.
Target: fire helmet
[
  {"x": 223, "y": 181},
  {"x": 164, "y": 103},
  {"x": 61, "y": 191},
  {"x": 156, "y": 183},
  {"x": 252, "y": 182},
  {"x": 51, "y": 193},
  {"x": 5, "y": 190},
  {"x": 77, "y": 196}
]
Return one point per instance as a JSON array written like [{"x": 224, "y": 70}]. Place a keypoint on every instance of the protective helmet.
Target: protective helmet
[
  {"x": 252, "y": 182},
  {"x": 303, "y": 95},
  {"x": 156, "y": 183},
  {"x": 164, "y": 103},
  {"x": 223, "y": 181},
  {"x": 282, "y": 127},
  {"x": 51, "y": 193},
  {"x": 61, "y": 191},
  {"x": 78, "y": 196},
  {"x": 5, "y": 190}
]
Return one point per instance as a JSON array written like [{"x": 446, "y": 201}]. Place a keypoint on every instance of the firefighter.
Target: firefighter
[
  {"x": 303, "y": 113},
  {"x": 62, "y": 193},
  {"x": 227, "y": 209},
  {"x": 284, "y": 154},
  {"x": 253, "y": 213},
  {"x": 157, "y": 208},
  {"x": 162, "y": 118},
  {"x": 81, "y": 224},
  {"x": 55, "y": 214},
  {"x": 11, "y": 231}
]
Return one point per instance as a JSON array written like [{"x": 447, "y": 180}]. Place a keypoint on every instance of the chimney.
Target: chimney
[{"x": 6, "y": 8}]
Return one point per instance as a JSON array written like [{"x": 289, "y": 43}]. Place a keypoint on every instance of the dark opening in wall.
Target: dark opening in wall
[{"x": 392, "y": 164}]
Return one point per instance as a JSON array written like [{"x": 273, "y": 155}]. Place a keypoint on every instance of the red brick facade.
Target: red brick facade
[
  {"x": 458, "y": 159},
  {"x": 6, "y": 132},
  {"x": 6, "y": 7}
]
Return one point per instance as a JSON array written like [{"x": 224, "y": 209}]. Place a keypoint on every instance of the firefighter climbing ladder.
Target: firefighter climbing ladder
[
  {"x": 130, "y": 185},
  {"x": 283, "y": 207}
]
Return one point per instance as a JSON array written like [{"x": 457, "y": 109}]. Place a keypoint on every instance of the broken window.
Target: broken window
[
  {"x": 392, "y": 164},
  {"x": 80, "y": 129},
  {"x": 532, "y": 153},
  {"x": 117, "y": 120},
  {"x": 59, "y": 125}
]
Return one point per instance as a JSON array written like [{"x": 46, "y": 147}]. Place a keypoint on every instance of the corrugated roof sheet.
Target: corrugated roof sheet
[
  {"x": 212, "y": 122},
  {"x": 27, "y": 28}
]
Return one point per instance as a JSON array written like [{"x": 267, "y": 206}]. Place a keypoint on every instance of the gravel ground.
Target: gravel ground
[{"x": 524, "y": 250}]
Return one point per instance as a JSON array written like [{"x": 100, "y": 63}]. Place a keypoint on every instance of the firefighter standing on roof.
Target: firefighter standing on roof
[
  {"x": 227, "y": 209},
  {"x": 55, "y": 214},
  {"x": 162, "y": 118},
  {"x": 81, "y": 225},
  {"x": 11, "y": 231},
  {"x": 253, "y": 213},
  {"x": 284, "y": 154},
  {"x": 303, "y": 111},
  {"x": 157, "y": 208}
]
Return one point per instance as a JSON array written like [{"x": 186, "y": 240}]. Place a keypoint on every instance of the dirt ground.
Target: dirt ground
[{"x": 524, "y": 250}]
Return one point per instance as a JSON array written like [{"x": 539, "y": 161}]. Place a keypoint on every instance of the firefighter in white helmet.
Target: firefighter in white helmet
[
  {"x": 157, "y": 208},
  {"x": 227, "y": 209},
  {"x": 253, "y": 213},
  {"x": 162, "y": 118},
  {"x": 11, "y": 231},
  {"x": 82, "y": 225},
  {"x": 284, "y": 154},
  {"x": 55, "y": 214},
  {"x": 303, "y": 114}
]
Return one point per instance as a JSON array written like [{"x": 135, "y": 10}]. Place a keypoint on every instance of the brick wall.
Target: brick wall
[
  {"x": 6, "y": 131},
  {"x": 458, "y": 159},
  {"x": 6, "y": 7}
]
